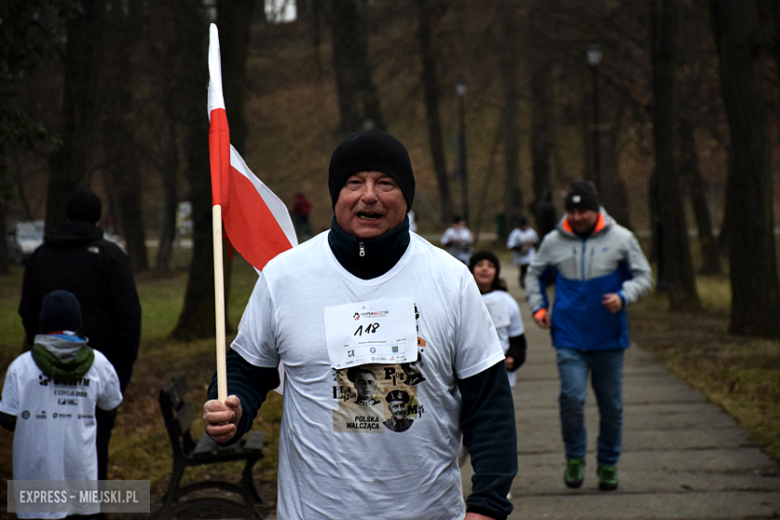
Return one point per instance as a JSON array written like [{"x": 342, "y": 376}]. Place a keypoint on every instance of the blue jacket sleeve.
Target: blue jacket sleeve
[
  {"x": 490, "y": 435},
  {"x": 250, "y": 384}
]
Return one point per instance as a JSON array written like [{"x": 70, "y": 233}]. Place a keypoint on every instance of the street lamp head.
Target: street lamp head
[
  {"x": 594, "y": 54},
  {"x": 460, "y": 87}
]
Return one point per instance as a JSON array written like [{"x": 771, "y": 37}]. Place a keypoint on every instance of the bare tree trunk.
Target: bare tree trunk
[
  {"x": 749, "y": 218},
  {"x": 303, "y": 9},
  {"x": 169, "y": 52},
  {"x": 431, "y": 94},
  {"x": 613, "y": 190},
  {"x": 3, "y": 225},
  {"x": 615, "y": 196},
  {"x": 170, "y": 200},
  {"x": 775, "y": 8},
  {"x": 541, "y": 121},
  {"x": 197, "y": 319},
  {"x": 310, "y": 13},
  {"x": 316, "y": 34},
  {"x": 119, "y": 143},
  {"x": 541, "y": 80},
  {"x": 691, "y": 174},
  {"x": 19, "y": 182},
  {"x": 513, "y": 195},
  {"x": 487, "y": 183},
  {"x": 234, "y": 17},
  {"x": 359, "y": 105},
  {"x": 676, "y": 254},
  {"x": 655, "y": 228},
  {"x": 72, "y": 161}
]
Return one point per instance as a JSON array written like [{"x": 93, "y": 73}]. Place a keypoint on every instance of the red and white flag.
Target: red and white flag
[{"x": 256, "y": 221}]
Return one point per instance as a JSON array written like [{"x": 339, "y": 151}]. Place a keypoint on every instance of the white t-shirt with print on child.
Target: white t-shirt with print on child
[{"x": 55, "y": 430}]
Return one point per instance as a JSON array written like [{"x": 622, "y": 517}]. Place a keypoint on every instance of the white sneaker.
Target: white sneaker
[{"x": 509, "y": 496}]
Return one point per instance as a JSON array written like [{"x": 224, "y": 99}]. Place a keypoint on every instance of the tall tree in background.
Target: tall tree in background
[
  {"x": 121, "y": 161},
  {"x": 696, "y": 74},
  {"x": 541, "y": 83},
  {"x": 513, "y": 195},
  {"x": 197, "y": 319},
  {"x": 234, "y": 18},
  {"x": 749, "y": 217},
  {"x": 310, "y": 13},
  {"x": 691, "y": 175},
  {"x": 427, "y": 10},
  {"x": 168, "y": 46},
  {"x": 71, "y": 163},
  {"x": 676, "y": 254},
  {"x": 357, "y": 95},
  {"x": 24, "y": 44},
  {"x": 614, "y": 196}
]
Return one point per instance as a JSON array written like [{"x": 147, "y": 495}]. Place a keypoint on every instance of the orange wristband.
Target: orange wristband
[{"x": 540, "y": 314}]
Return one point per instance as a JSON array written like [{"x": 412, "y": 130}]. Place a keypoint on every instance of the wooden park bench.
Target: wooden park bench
[{"x": 178, "y": 415}]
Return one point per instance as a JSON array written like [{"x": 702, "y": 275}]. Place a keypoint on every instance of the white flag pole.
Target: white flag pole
[
  {"x": 219, "y": 301},
  {"x": 216, "y": 100}
]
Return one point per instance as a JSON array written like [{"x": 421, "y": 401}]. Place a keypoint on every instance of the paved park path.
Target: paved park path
[{"x": 683, "y": 457}]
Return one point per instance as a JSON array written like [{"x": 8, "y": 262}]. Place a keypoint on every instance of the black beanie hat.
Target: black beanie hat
[
  {"x": 60, "y": 310},
  {"x": 484, "y": 255},
  {"x": 84, "y": 206},
  {"x": 583, "y": 195},
  {"x": 371, "y": 151}
]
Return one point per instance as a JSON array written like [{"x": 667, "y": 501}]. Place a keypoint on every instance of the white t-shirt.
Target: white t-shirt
[
  {"x": 518, "y": 237},
  {"x": 338, "y": 459},
  {"x": 458, "y": 242},
  {"x": 55, "y": 430},
  {"x": 506, "y": 317}
]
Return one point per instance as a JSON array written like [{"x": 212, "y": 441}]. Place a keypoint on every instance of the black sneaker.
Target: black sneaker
[
  {"x": 575, "y": 473},
  {"x": 608, "y": 479}
]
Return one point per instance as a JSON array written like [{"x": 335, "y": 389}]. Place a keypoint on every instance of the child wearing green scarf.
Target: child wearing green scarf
[{"x": 50, "y": 399}]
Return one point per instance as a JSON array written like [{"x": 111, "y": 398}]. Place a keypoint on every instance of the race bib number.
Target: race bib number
[{"x": 380, "y": 331}]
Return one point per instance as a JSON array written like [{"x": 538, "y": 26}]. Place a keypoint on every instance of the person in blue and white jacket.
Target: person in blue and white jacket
[{"x": 598, "y": 269}]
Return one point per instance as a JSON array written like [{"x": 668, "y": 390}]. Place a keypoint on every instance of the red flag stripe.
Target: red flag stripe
[
  {"x": 251, "y": 226},
  {"x": 219, "y": 153}
]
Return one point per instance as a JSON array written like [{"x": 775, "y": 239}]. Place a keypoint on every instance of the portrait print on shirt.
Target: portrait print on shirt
[
  {"x": 376, "y": 398},
  {"x": 413, "y": 371}
]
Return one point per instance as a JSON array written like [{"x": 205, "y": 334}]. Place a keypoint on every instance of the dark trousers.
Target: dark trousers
[
  {"x": 523, "y": 271},
  {"x": 105, "y": 423}
]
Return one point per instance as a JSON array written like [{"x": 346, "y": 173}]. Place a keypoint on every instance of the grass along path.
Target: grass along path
[{"x": 739, "y": 374}]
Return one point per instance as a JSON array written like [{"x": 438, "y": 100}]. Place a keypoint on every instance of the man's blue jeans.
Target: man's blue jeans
[{"x": 606, "y": 368}]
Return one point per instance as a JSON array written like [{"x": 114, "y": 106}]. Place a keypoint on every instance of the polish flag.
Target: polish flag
[{"x": 256, "y": 221}]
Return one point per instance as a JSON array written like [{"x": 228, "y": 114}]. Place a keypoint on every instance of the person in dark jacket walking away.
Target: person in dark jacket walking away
[
  {"x": 76, "y": 258},
  {"x": 599, "y": 269}
]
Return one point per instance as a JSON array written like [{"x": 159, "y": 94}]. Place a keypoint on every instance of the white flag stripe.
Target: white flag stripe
[
  {"x": 275, "y": 205},
  {"x": 216, "y": 98}
]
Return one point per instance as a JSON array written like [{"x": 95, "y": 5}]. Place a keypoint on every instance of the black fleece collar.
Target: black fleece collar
[{"x": 380, "y": 254}]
